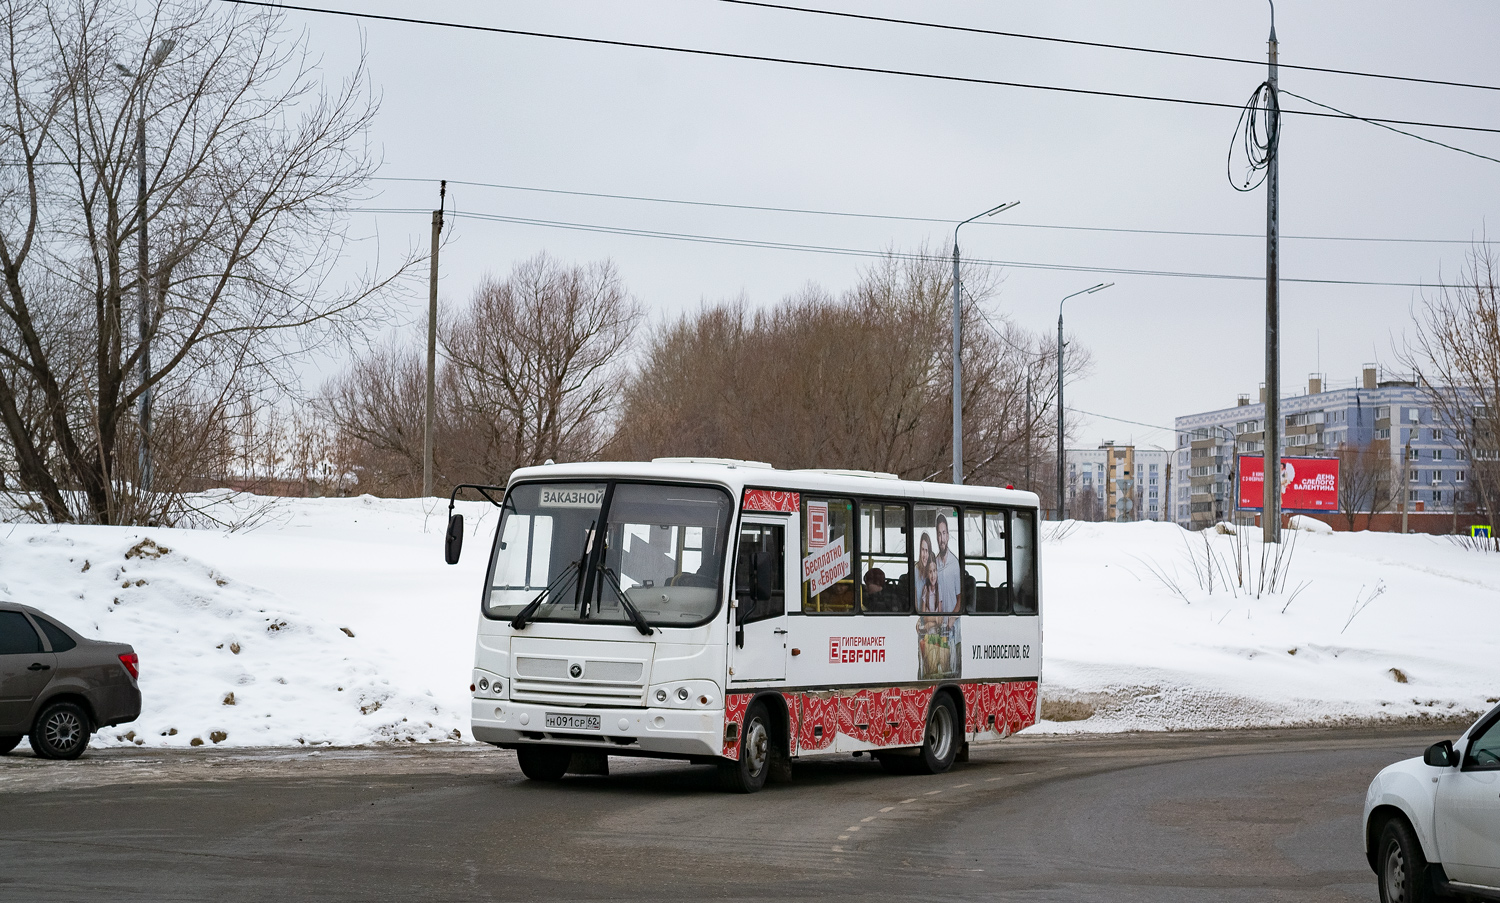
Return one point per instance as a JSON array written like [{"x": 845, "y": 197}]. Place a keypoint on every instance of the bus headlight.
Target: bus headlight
[{"x": 661, "y": 695}]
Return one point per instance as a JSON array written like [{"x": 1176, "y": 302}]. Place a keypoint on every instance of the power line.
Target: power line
[
  {"x": 867, "y": 253},
  {"x": 1100, "y": 44},
  {"x": 1153, "y": 426},
  {"x": 1390, "y": 128},
  {"x": 815, "y": 64},
  {"x": 945, "y": 221}
]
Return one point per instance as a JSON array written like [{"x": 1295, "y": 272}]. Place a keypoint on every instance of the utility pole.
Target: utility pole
[
  {"x": 1061, "y": 514},
  {"x": 958, "y": 373},
  {"x": 1062, "y": 502},
  {"x": 144, "y": 322},
  {"x": 1271, "y": 502},
  {"x": 958, "y": 376},
  {"x": 430, "y": 415},
  {"x": 1405, "y": 480},
  {"x": 1028, "y": 426}
]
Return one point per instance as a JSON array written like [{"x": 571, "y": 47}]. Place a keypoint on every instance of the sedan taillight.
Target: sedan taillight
[{"x": 132, "y": 663}]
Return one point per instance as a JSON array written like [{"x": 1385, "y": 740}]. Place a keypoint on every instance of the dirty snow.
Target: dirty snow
[{"x": 335, "y": 621}]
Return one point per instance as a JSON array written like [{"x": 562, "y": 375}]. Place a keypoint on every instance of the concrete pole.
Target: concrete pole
[
  {"x": 958, "y": 389},
  {"x": 143, "y": 324},
  {"x": 1271, "y": 502},
  {"x": 1062, "y": 513},
  {"x": 430, "y": 414}
]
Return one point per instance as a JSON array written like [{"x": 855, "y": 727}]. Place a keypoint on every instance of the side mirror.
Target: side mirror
[
  {"x": 1440, "y": 755},
  {"x": 453, "y": 544}
]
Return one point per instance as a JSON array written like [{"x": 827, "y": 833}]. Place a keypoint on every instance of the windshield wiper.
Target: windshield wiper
[
  {"x": 635, "y": 613},
  {"x": 572, "y": 570}
]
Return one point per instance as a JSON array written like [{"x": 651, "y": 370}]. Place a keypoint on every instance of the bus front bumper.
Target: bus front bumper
[{"x": 664, "y": 731}]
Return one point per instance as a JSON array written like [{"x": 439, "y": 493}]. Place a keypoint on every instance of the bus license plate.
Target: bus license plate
[{"x": 572, "y": 722}]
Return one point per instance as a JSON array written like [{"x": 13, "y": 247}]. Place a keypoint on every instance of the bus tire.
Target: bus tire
[
  {"x": 748, "y": 773},
  {"x": 940, "y": 739},
  {"x": 544, "y": 763}
]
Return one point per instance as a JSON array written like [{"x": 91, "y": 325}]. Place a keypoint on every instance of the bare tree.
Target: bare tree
[
  {"x": 1455, "y": 354},
  {"x": 538, "y": 361},
  {"x": 861, "y": 381},
  {"x": 249, "y": 163},
  {"x": 1365, "y": 481},
  {"x": 532, "y": 369}
]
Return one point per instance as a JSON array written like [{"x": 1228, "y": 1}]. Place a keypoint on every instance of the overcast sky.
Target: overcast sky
[{"x": 530, "y": 112}]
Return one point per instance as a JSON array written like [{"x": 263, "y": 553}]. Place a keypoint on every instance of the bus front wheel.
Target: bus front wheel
[
  {"x": 544, "y": 763},
  {"x": 748, "y": 773}
]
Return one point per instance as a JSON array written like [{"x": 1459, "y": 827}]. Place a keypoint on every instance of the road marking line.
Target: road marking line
[
  {"x": 887, "y": 808},
  {"x": 963, "y": 785},
  {"x": 912, "y": 800},
  {"x": 838, "y": 849},
  {"x": 842, "y": 837},
  {"x": 852, "y": 828},
  {"x": 1001, "y": 778},
  {"x": 931, "y": 792},
  {"x": 871, "y": 818}
]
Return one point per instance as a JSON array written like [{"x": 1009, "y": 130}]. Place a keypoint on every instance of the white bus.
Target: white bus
[{"x": 728, "y": 612}]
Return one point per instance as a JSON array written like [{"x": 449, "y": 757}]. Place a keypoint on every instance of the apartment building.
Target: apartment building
[
  {"x": 1118, "y": 482},
  {"x": 1391, "y": 419}
]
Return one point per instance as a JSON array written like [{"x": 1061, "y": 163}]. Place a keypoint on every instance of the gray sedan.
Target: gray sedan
[{"x": 57, "y": 687}]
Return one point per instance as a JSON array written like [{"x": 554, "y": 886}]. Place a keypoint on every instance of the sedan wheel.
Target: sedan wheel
[{"x": 61, "y": 731}]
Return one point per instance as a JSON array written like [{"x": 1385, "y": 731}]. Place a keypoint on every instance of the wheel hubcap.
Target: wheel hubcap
[
  {"x": 63, "y": 730},
  {"x": 757, "y": 746},
  {"x": 940, "y": 732},
  {"x": 1395, "y": 875}
]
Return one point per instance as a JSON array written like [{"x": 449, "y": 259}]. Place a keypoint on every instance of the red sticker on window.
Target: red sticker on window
[{"x": 771, "y": 500}]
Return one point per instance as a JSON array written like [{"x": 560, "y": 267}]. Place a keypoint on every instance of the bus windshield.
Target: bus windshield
[{"x": 661, "y": 545}]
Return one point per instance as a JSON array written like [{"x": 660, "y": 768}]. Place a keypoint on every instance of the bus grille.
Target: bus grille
[{"x": 549, "y": 680}]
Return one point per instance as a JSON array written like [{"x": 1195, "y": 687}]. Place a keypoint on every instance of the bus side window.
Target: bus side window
[
  {"x": 1023, "y": 562},
  {"x": 985, "y": 573},
  {"x": 885, "y": 563},
  {"x": 827, "y": 526},
  {"x": 760, "y": 573}
]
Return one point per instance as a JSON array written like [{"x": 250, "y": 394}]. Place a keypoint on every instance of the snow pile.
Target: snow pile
[
  {"x": 1149, "y": 626},
  {"x": 329, "y": 622},
  {"x": 335, "y": 621}
]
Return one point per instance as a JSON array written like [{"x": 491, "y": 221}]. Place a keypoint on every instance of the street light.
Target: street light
[
  {"x": 163, "y": 47},
  {"x": 958, "y": 389},
  {"x": 1061, "y": 502}
]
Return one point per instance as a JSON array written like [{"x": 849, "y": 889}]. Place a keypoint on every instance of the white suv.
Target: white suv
[{"x": 1432, "y": 825}]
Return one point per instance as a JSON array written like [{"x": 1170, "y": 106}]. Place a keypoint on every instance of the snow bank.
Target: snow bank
[
  {"x": 335, "y": 621},
  {"x": 326, "y": 621},
  {"x": 1149, "y": 626}
]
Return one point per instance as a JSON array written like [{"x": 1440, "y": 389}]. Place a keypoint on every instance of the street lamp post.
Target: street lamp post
[
  {"x": 958, "y": 403},
  {"x": 143, "y": 323},
  {"x": 1061, "y": 500}
]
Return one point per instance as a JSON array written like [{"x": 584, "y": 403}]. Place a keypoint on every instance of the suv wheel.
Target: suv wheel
[
  {"x": 61, "y": 731},
  {"x": 1404, "y": 876}
]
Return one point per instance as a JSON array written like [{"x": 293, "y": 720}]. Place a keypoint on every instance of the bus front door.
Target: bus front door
[{"x": 758, "y": 645}]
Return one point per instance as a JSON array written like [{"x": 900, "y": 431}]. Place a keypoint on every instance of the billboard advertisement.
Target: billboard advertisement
[{"x": 1307, "y": 484}]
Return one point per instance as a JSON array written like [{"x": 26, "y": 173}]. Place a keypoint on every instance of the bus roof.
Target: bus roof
[{"x": 737, "y": 475}]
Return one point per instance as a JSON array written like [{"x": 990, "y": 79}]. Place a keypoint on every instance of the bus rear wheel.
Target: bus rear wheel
[
  {"x": 544, "y": 763},
  {"x": 939, "y": 739},
  {"x": 748, "y": 773}
]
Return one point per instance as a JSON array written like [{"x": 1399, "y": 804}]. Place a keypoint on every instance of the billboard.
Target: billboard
[{"x": 1307, "y": 484}]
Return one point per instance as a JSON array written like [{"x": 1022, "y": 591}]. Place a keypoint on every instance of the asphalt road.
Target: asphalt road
[{"x": 1205, "y": 816}]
